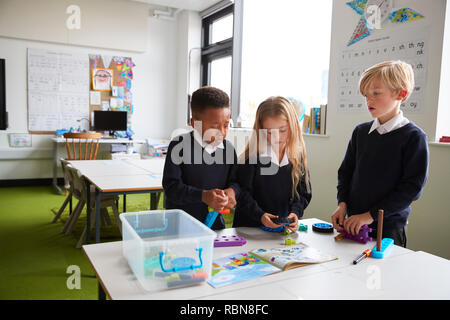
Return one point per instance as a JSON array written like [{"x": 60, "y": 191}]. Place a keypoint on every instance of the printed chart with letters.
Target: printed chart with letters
[{"x": 411, "y": 47}]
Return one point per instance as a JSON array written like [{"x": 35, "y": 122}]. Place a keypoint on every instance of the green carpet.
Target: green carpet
[{"x": 36, "y": 255}]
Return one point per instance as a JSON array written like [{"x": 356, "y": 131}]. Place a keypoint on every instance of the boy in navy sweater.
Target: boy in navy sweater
[
  {"x": 386, "y": 163},
  {"x": 200, "y": 167}
]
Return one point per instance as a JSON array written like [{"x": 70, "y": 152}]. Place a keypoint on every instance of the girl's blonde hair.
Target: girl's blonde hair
[
  {"x": 295, "y": 147},
  {"x": 397, "y": 75}
]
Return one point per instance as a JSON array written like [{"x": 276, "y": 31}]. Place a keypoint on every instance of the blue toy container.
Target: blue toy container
[{"x": 167, "y": 248}]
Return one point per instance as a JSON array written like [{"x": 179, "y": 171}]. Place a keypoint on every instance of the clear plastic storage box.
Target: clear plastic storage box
[{"x": 167, "y": 248}]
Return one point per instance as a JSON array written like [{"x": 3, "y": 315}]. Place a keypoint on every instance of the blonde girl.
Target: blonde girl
[{"x": 273, "y": 171}]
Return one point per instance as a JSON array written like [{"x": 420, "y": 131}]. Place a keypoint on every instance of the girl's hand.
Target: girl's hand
[
  {"x": 355, "y": 222},
  {"x": 265, "y": 220},
  {"x": 338, "y": 216},
  {"x": 294, "y": 225}
]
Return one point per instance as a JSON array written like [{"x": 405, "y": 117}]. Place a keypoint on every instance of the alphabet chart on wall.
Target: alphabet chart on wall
[{"x": 409, "y": 46}]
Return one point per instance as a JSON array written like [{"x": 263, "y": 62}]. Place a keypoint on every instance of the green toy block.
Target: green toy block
[
  {"x": 289, "y": 242},
  {"x": 302, "y": 227}
]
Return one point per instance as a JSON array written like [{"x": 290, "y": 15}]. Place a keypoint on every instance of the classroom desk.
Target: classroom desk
[
  {"x": 119, "y": 177},
  {"x": 404, "y": 274},
  {"x": 60, "y": 140}
]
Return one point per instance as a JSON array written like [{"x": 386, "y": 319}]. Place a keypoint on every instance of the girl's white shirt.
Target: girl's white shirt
[{"x": 273, "y": 157}]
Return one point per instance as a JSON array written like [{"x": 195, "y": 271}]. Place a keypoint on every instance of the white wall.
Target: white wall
[
  {"x": 153, "y": 91},
  {"x": 443, "y": 123},
  {"x": 88, "y": 21}
]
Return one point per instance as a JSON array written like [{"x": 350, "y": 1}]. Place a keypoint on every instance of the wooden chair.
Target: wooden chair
[
  {"x": 68, "y": 185},
  {"x": 79, "y": 191},
  {"x": 80, "y": 138},
  {"x": 72, "y": 139}
]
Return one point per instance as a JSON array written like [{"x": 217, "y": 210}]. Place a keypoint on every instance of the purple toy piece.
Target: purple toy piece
[
  {"x": 229, "y": 241},
  {"x": 362, "y": 236}
]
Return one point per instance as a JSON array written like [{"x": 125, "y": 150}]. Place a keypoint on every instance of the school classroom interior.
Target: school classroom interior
[{"x": 159, "y": 56}]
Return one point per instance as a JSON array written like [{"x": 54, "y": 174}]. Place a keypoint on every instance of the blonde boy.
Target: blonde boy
[{"x": 386, "y": 163}]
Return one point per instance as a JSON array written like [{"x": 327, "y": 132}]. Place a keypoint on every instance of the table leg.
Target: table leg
[
  {"x": 153, "y": 201},
  {"x": 88, "y": 211},
  {"x": 124, "y": 202},
  {"x": 101, "y": 292},
  {"x": 55, "y": 167},
  {"x": 98, "y": 196}
]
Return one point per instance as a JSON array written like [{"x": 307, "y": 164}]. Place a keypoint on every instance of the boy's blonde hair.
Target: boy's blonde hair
[
  {"x": 295, "y": 148},
  {"x": 397, "y": 75}
]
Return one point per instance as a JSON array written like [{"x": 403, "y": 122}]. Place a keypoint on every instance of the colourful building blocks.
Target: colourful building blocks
[
  {"x": 302, "y": 227},
  {"x": 386, "y": 245},
  {"x": 361, "y": 237},
  {"x": 322, "y": 227},
  {"x": 212, "y": 216},
  {"x": 229, "y": 241},
  {"x": 289, "y": 242},
  {"x": 279, "y": 229}
]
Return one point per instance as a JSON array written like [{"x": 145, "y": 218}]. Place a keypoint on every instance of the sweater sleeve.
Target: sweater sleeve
[
  {"x": 174, "y": 188},
  {"x": 415, "y": 173},
  {"x": 299, "y": 205},
  {"x": 345, "y": 171}
]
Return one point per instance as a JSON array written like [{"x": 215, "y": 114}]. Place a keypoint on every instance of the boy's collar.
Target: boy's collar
[
  {"x": 388, "y": 125},
  {"x": 208, "y": 147}
]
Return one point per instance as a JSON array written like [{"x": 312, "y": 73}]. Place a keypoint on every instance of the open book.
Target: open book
[
  {"x": 289, "y": 257},
  {"x": 260, "y": 262},
  {"x": 239, "y": 267}
]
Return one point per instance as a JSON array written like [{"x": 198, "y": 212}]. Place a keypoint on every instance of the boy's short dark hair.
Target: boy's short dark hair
[{"x": 208, "y": 97}]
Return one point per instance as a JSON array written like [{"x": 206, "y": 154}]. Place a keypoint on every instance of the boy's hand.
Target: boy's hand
[
  {"x": 231, "y": 198},
  {"x": 338, "y": 216},
  {"x": 294, "y": 225},
  {"x": 215, "y": 198},
  {"x": 266, "y": 221},
  {"x": 355, "y": 222}
]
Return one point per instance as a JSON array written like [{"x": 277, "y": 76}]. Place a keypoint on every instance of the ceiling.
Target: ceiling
[{"x": 194, "y": 5}]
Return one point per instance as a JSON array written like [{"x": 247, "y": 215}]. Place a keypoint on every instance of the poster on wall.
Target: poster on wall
[
  {"x": 410, "y": 45},
  {"x": 58, "y": 90}
]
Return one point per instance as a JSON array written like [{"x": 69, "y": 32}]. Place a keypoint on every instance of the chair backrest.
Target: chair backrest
[
  {"x": 81, "y": 137},
  {"x": 77, "y": 183}
]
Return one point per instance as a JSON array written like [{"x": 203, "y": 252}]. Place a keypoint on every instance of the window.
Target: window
[
  {"x": 217, "y": 49},
  {"x": 285, "y": 51}
]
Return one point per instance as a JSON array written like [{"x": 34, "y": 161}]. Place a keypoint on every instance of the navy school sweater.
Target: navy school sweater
[
  {"x": 385, "y": 171},
  {"x": 271, "y": 193},
  {"x": 189, "y": 169}
]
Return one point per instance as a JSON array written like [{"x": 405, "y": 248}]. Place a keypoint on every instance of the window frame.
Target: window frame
[{"x": 227, "y": 47}]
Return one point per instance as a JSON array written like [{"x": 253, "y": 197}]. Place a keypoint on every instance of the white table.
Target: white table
[
  {"x": 404, "y": 274},
  {"x": 114, "y": 177},
  {"x": 60, "y": 140}
]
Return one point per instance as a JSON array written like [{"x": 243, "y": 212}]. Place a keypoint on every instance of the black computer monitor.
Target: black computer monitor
[{"x": 110, "y": 121}]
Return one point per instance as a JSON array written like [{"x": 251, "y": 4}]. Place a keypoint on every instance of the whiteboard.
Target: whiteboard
[{"x": 58, "y": 90}]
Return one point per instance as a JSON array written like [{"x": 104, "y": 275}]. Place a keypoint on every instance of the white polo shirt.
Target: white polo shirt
[
  {"x": 395, "y": 123},
  {"x": 208, "y": 147}
]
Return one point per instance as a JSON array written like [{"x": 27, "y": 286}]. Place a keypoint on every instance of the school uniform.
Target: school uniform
[
  {"x": 266, "y": 187},
  {"x": 192, "y": 166},
  {"x": 385, "y": 167}
]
